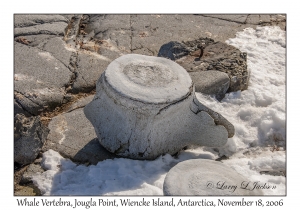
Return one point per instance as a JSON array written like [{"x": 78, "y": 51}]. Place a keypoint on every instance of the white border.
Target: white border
[{"x": 8, "y": 201}]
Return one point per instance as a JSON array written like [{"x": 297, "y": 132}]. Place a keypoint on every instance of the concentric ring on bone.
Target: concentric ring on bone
[
  {"x": 207, "y": 177},
  {"x": 145, "y": 107}
]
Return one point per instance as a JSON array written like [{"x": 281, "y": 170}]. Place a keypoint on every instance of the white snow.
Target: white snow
[{"x": 258, "y": 115}]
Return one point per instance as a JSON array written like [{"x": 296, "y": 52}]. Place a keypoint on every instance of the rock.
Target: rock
[
  {"x": 205, "y": 177},
  {"x": 264, "y": 18},
  {"x": 19, "y": 110},
  {"x": 145, "y": 107},
  {"x": 47, "y": 28},
  {"x": 57, "y": 48},
  {"x": 30, "y": 190},
  {"x": 89, "y": 68},
  {"x": 253, "y": 19},
  {"x": 21, "y": 21},
  {"x": 73, "y": 136},
  {"x": 150, "y": 32},
  {"x": 216, "y": 56},
  {"x": 29, "y": 137},
  {"x": 81, "y": 103},
  {"x": 39, "y": 24},
  {"x": 33, "y": 40},
  {"x": 173, "y": 50},
  {"x": 46, "y": 67},
  {"x": 145, "y": 34},
  {"x": 233, "y": 18},
  {"x": 32, "y": 170},
  {"x": 39, "y": 79},
  {"x": 212, "y": 82},
  {"x": 279, "y": 17},
  {"x": 93, "y": 52},
  {"x": 115, "y": 29}
]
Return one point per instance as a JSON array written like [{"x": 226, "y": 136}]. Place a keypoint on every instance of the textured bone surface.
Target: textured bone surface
[
  {"x": 148, "y": 79},
  {"x": 142, "y": 109},
  {"x": 206, "y": 177}
]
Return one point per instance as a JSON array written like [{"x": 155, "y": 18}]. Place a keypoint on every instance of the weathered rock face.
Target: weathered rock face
[
  {"x": 53, "y": 59},
  {"x": 29, "y": 137},
  {"x": 173, "y": 50},
  {"x": 81, "y": 47},
  {"x": 34, "y": 86},
  {"x": 205, "y": 177},
  {"x": 73, "y": 136},
  {"x": 32, "y": 170},
  {"x": 145, "y": 107},
  {"x": 211, "y": 83},
  {"x": 39, "y": 24},
  {"x": 213, "y": 56}
]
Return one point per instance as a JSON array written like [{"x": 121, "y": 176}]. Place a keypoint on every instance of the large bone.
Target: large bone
[{"x": 144, "y": 107}]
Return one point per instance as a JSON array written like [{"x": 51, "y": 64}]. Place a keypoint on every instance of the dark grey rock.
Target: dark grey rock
[
  {"x": 21, "y": 21},
  {"x": 216, "y": 56},
  {"x": 89, "y": 68},
  {"x": 279, "y": 17},
  {"x": 273, "y": 20},
  {"x": 31, "y": 171},
  {"x": 267, "y": 20},
  {"x": 173, "y": 50},
  {"x": 44, "y": 75},
  {"x": 68, "y": 16},
  {"x": 145, "y": 34},
  {"x": 69, "y": 97},
  {"x": 253, "y": 19},
  {"x": 57, "y": 28},
  {"x": 264, "y": 18},
  {"x": 58, "y": 48},
  {"x": 74, "y": 137},
  {"x": 81, "y": 103},
  {"x": 40, "y": 79},
  {"x": 111, "y": 36},
  {"x": 27, "y": 105},
  {"x": 177, "y": 50},
  {"x": 211, "y": 83},
  {"x": 86, "y": 35},
  {"x": 115, "y": 28},
  {"x": 33, "y": 40},
  {"x": 239, "y": 18},
  {"x": 73, "y": 30},
  {"x": 29, "y": 137},
  {"x": 19, "y": 110},
  {"x": 150, "y": 32}
]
